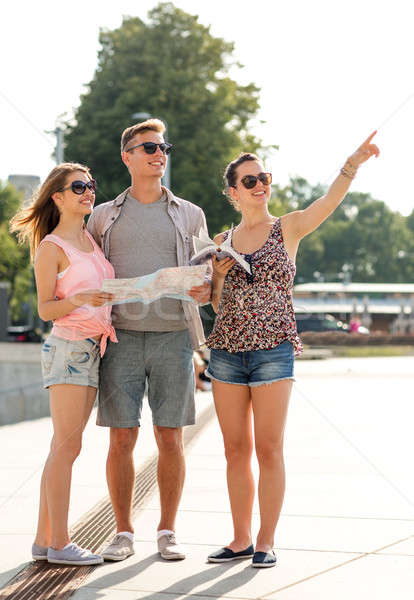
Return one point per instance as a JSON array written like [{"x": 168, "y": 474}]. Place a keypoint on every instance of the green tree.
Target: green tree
[
  {"x": 15, "y": 264},
  {"x": 363, "y": 239},
  {"x": 172, "y": 68}
]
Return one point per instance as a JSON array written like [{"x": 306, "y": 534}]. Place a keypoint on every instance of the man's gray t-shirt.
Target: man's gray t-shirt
[{"x": 143, "y": 240}]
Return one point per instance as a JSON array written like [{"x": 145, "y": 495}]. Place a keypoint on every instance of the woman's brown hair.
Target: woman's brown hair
[{"x": 40, "y": 217}]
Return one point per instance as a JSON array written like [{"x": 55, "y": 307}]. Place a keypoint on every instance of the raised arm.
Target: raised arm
[{"x": 300, "y": 223}]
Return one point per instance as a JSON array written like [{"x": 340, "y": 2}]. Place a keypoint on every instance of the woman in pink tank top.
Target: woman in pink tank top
[{"x": 69, "y": 270}]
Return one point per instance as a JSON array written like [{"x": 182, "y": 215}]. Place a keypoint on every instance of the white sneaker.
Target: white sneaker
[
  {"x": 119, "y": 549},
  {"x": 169, "y": 548}
]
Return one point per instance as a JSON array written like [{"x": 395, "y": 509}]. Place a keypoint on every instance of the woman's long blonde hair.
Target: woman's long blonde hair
[{"x": 40, "y": 217}]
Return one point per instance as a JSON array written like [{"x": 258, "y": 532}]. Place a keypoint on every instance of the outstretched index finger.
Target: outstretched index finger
[{"x": 369, "y": 138}]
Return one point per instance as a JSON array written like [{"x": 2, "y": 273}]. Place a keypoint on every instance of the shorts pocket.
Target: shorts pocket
[
  {"x": 48, "y": 354},
  {"x": 79, "y": 357},
  {"x": 76, "y": 360}
]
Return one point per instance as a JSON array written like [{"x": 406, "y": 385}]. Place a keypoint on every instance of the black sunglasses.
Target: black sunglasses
[
  {"x": 79, "y": 187},
  {"x": 249, "y": 181},
  {"x": 150, "y": 147}
]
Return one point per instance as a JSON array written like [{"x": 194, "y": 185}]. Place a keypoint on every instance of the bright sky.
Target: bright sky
[{"x": 330, "y": 72}]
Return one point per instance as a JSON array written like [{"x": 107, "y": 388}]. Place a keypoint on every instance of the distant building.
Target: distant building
[
  {"x": 386, "y": 307},
  {"x": 24, "y": 183}
]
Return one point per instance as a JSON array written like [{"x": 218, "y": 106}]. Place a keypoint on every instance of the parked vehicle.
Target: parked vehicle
[
  {"x": 322, "y": 323},
  {"x": 23, "y": 333},
  {"x": 319, "y": 322}
]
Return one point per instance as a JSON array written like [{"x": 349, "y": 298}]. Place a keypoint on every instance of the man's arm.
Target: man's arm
[{"x": 202, "y": 294}]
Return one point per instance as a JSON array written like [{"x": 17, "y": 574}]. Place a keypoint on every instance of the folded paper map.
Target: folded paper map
[
  {"x": 205, "y": 248},
  {"x": 172, "y": 282}
]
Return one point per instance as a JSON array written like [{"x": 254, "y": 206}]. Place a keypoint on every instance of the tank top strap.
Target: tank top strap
[
  {"x": 66, "y": 247},
  {"x": 276, "y": 228},
  {"x": 91, "y": 239}
]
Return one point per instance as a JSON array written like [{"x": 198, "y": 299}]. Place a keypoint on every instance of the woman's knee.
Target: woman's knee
[
  {"x": 67, "y": 450},
  {"x": 269, "y": 453},
  {"x": 237, "y": 450}
]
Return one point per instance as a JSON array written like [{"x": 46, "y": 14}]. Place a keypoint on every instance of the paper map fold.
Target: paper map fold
[{"x": 172, "y": 282}]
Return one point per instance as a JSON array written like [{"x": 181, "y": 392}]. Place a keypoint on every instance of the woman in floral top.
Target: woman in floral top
[{"x": 254, "y": 341}]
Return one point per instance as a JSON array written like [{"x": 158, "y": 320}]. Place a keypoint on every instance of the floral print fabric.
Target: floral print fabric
[{"x": 256, "y": 311}]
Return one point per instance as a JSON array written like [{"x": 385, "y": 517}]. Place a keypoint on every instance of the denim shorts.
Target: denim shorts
[
  {"x": 252, "y": 368},
  {"x": 70, "y": 361},
  {"x": 162, "y": 360}
]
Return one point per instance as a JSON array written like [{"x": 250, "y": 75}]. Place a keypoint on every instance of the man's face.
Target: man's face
[{"x": 142, "y": 164}]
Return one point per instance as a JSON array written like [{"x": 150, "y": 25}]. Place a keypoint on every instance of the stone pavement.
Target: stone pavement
[{"x": 347, "y": 525}]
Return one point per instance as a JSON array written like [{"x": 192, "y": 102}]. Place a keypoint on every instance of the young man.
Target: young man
[{"x": 144, "y": 229}]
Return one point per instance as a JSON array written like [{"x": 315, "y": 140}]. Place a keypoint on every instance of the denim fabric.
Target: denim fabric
[
  {"x": 252, "y": 368},
  {"x": 70, "y": 361}
]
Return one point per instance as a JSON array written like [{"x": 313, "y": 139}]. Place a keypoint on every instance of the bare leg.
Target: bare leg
[
  {"x": 270, "y": 406},
  {"x": 170, "y": 473},
  {"x": 234, "y": 412},
  {"x": 70, "y": 407},
  {"x": 120, "y": 475}
]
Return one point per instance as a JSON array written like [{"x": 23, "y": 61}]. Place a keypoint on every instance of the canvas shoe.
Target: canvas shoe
[
  {"x": 39, "y": 552},
  {"x": 73, "y": 554},
  {"x": 227, "y": 555},
  {"x": 169, "y": 548},
  {"x": 119, "y": 549},
  {"x": 264, "y": 559}
]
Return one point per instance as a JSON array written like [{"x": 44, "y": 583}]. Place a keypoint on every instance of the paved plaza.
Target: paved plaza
[{"x": 347, "y": 525}]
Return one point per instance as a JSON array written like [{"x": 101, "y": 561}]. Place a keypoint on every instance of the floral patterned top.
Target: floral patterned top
[{"x": 256, "y": 311}]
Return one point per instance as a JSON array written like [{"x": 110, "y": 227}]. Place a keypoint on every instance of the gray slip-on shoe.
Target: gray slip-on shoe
[
  {"x": 39, "y": 552},
  {"x": 72, "y": 554}
]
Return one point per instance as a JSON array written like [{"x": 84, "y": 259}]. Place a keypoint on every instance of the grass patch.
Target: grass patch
[{"x": 373, "y": 351}]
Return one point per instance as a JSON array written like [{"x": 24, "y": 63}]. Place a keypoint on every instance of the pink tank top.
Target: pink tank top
[{"x": 86, "y": 271}]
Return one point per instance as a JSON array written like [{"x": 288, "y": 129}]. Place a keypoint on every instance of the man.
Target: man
[{"x": 144, "y": 229}]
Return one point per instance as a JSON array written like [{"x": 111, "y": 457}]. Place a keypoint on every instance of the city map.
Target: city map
[{"x": 172, "y": 282}]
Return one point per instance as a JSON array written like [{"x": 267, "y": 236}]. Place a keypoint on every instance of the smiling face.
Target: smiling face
[
  {"x": 258, "y": 195},
  {"x": 69, "y": 202},
  {"x": 139, "y": 162}
]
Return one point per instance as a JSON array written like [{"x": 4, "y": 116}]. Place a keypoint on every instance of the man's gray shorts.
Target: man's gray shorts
[{"x": 165, "y": 359}]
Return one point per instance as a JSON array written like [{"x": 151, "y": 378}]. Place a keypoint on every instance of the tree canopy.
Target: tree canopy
[
  {"x": 363, "y": 240},
  {"x": 170, "y": 67},
  {"x": 15, "y": 266}
]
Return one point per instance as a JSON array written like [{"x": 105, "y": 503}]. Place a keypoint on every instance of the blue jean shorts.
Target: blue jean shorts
[
  {"x": 161, "y": 360},
  {"x": 70, "y": 361},
  {"x": 252, "y": 368}
]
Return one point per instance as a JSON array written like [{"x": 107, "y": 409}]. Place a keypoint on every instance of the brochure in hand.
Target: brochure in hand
[{"x": 205, "y": 248}]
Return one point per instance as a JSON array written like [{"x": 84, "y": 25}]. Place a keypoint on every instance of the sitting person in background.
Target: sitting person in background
[
  {"x": 354, "y": 324},
  {"x": 203, "y": 381}
]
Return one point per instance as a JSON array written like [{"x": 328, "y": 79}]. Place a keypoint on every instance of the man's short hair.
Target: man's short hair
[{"x": 148, "y": 125}]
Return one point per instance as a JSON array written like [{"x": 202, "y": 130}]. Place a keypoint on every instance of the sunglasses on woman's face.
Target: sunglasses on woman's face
[
  {"x": 79, "y": 187},
  {"x": 249, "y": 181},
  {"x": 150, "y": 147}
]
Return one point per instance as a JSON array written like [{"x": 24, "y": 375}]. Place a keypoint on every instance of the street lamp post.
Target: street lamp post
[
  {"x": 59, "y": 153},
  {"x": 166, "y": 180}
]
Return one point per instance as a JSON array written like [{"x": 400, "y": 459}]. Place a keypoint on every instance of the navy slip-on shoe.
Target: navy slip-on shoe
[
  {"x": 226, "y": 555},
  {"x": 264, "y": 559}
]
